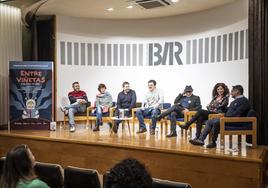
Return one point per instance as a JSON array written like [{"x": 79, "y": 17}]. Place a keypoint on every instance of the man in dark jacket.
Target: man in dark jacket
[
  {"x": 183, "y": 103},
  {"x": 126, "y": 100},
  {"x": 238, "y": 108}
]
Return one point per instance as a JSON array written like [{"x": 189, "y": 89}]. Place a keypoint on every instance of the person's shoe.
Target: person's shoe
[
  {"x": 192, "y": 140},
  {"x": 197, "y": 142},
  {"x": 152, "y": 132},
  {"x": 142, "y": 130},
  {"x": 172, "y": 134},
  {"x": 110, "y": 125},
  {"x": 186, "y": 126},
  {"x": 212, "y": 145},
  {"x": 72, "y": 128},
  {"x": 63, "y": 109},
  {"x": 158, "y": 117},
  {"x": 115, "y": 129},
  {"x": 96, "y": 129}
]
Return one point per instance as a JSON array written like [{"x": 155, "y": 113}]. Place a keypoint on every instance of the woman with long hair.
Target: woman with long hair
[
  {"x": 18, "y": 171},
  {"x": 218, "y": 104}
]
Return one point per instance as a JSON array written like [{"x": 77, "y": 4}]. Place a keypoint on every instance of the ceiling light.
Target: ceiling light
[
  {"x": 129, "y": 7},
  {"x": 174, "y": 1},
  {"x": 110, "y": 9}
]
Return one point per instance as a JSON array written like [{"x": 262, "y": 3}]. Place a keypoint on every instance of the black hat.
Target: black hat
[{"x": 188, "y": 88}]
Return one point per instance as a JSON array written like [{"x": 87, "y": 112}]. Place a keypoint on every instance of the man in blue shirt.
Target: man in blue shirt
[
  {"x": 183, "y": 103},
  {"x": 238, "y": 108}
]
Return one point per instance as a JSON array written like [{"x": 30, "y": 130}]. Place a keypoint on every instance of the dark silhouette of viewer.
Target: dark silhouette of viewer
[
  {"x": 128, "y": 173},
  {"x": 18, "y": 171}
]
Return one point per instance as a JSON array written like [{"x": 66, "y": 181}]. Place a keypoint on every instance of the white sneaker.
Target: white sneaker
[
  {"x": 72, "y": 128},
  {"x": 63, "y": 109}
]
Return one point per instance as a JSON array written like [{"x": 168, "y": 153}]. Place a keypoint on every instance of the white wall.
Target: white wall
[
  {"x": 10, "y": 49},
  {"x": 189, "y": 30}
]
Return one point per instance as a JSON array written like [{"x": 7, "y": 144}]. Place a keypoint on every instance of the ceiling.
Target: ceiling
[{"x": 97, "y": 8}]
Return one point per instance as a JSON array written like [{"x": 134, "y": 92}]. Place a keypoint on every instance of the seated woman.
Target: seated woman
[
  {"x": 103, "y": 102},
  {"x": 18, "y": 171},
  {"x": 218, "y": 104}
]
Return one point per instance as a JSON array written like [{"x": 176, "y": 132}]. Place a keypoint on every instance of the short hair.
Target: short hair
[
  {"x": 129, "y": 173},
  {"x": 17, "y": 165},
  {"x": 125, "y": 83},
  {"x": 239, "y": 88},
  {"x": 75, "y": 83},
  {"x": 225, "y": 88},
  {"x": 152, "y": 81},
  {"x": 101, "y": 86}
]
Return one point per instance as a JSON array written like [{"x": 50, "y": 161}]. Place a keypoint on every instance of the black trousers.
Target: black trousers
[
  {"x": 175, "y": 112},
  {"x": 200, "y": 117}
]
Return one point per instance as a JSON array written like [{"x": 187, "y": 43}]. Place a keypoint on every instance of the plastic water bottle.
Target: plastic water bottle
[{"x": 156, "y": 130}]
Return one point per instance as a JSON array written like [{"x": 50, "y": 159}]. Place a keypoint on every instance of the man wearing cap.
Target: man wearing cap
[{"x": 183, "y": 103}]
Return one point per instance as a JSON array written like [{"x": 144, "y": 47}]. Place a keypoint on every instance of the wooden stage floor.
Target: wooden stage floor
[{"x": 235, "y": 165}]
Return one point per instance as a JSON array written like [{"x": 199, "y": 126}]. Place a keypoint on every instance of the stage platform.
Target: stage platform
[{"x": 166, "y": 158}]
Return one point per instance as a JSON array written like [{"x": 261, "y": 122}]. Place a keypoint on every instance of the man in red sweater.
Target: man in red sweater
[{"x": 78, "y": 103}]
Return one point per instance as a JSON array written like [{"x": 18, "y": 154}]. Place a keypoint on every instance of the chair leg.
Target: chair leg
[
  {"x": 230, "y": 141},
  {"x": 222, "y": 137},
  {"x": 128, "y": 128},
  {"x": 254, "y": 141}
]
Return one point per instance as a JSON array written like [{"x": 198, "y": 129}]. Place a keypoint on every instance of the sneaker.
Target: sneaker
[
  {"x": 72, "y": 128},
  {"x": 110, "y": 124},
  {"x": 211, "y": 145},
  {"x": 172, "y": 134},
  {"x": 192, "y": 140},
  {"x": 96, "y": 129},
  {"x": 152, "y": 132},
  {"x": 157, "y": 117},
  {"x": 142, "y": 130},
  {"x": 197, "y": 142},
  {"x": 63, "y": 109}
]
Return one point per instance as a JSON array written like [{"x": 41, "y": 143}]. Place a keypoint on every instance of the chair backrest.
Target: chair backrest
[
  {"x": 79, "y": 177},
  {"x": 52, "y": 174},
  {"x": 2, "y": 161},
  {"x": 166, "y": 105},
  {"x": 158, "y": 183}
]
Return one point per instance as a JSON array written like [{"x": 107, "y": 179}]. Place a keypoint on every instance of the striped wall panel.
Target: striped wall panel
[
  {"x": 220, "y": 48},
  {"x": 10, "y": 49}
]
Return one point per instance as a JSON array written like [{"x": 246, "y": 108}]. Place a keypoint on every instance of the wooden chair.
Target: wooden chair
[
  {"x": 239, "y": 126},
  {"x": 80, "y": 116}
]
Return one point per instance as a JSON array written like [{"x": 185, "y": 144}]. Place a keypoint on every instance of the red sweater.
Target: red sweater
[{"x": 73, "y": 95}]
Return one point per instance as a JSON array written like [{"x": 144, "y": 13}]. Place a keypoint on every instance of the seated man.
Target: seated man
[
  {"x": 129, "y": 173},
  {"x": 78, "y": 100},
  {"x": 238, "y": 108},
  {"x": 151, "y": 106},
  {"x": 103, "y": 102},
  {"x": 126, "y": 100},
  {"x": 183, "y": 103}
]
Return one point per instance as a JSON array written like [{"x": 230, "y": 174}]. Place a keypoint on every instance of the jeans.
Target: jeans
[
  {"x": 212, "y": 125},
  {"x": 74, "y": 108},
  {"x": 99, "y": 114},
  {"x": 147, "y": 112}
]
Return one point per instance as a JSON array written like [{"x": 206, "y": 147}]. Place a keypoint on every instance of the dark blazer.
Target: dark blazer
[
  {"x": 238, "y": 108},
  {"x": 195, "y": 102}
]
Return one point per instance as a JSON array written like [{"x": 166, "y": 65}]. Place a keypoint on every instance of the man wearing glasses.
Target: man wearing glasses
[
  {"x": 183, "y": 103},
  {"x": 151, "y": 106}
]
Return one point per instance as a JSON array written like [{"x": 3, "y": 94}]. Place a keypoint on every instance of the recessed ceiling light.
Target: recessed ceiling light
[
  {"x": 174, "y": 1},
  {"x": 129, "y": 7},
  {"x": 110, "y": 9}
]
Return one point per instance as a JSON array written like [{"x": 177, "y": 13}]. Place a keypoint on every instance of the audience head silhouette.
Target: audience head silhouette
[
  {"x": 18, "y": 166},
  {"x": 129, "y": 173}
]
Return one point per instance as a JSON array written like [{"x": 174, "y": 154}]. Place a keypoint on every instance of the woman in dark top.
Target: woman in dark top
[{"x": 218, "y": 104}]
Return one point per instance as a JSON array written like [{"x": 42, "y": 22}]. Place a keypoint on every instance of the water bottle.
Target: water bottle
[{"x": 156, "y": 130}]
